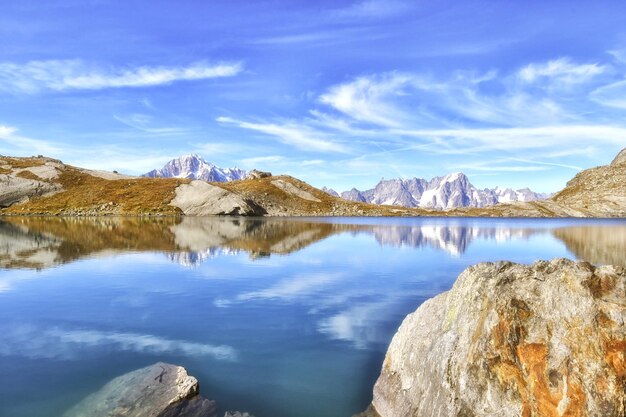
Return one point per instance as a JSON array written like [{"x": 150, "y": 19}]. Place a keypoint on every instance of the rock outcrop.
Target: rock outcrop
[
  {"x": 597, "y": 192},
  {"x": 256, "y": 174},
  {"x": 19, "y": 184},
  {"x": 159, "y": 390},
  {"x": 199, "y": 198},
  {"x": 512, "y": 340}
]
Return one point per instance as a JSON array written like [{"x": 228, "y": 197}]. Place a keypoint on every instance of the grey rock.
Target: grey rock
[
  {"x": 256, "y": 174},
  {"x": 200, "y": 198},
  {"x": 512, "y": 340},
  {"x": 15, "y": 189},
  {"x": 159, "y": 390},
  {"x": 294, "y": 190},
  {"x": 237, "y": 414}
]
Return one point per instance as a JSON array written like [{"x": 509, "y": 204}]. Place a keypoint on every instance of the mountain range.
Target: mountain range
[
  {"x": 447, "y": 192},
  {"x": 194, "y": 167},
  {"x": 45, "y": 186}
]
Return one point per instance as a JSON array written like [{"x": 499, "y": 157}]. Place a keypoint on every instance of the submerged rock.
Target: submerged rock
[
  {"x": 159, "y": 390},
  {"x": 512, "y": 340}
]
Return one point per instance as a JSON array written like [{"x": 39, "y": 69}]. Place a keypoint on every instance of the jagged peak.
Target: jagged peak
[{"x": 454, "y": 176}]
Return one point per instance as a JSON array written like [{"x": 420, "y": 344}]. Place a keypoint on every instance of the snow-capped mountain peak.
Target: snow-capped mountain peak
[
  {"x": 193, "y": 166},
  {"x": 446, "y": 192}
]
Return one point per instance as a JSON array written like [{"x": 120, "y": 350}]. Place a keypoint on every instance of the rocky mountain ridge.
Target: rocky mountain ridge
[
  {"x": 446, "y": 192},
  {"x": 194, "y": 167},
  {"x": 45, "y": 186}
]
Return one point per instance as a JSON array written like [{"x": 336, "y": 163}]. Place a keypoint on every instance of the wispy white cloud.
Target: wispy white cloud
[
  {"x": 299, "y": 136},
  {"x": 310, "y": 162},
  {"x": 376, "y": 9},
  {"x": 366, "y": 99},
  {"x": 500, "y": 168},
  {"x": 548, "y": 107},
  {"x": 271, "y": 159},
  {"x": 144, "y": 123},
  {"x": 561, "y": 70},
  {"x": 61, "y": 75},
  {"x": 612, "y": 95},
  {"x": 11, "y": 142},
  {"x": 316, "y": 38},
  {"x": 508, "y": 139}
]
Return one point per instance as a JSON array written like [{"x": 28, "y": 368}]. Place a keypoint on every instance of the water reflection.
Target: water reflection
[
  {"x": 281, "y": 317},
  {"x": 38, "y": 242},
  {"x": 598, "y": 245}
]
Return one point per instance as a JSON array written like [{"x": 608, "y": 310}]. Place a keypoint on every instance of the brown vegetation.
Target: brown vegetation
[
  {"x": 87, "y": 194},
  {"x": 29, "y": 175}
]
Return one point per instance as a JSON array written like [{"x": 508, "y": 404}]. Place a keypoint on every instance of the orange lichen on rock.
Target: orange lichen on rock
[
  {"x": 616, "y": 356},
  {"x": 545, "y": 400}
]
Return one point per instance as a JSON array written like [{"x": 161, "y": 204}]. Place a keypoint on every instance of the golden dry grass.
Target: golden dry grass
[
  {"x": 266, "y": 194},
  {"x": 22, "y": 162},
  {"x": 29, "y": 176},
  {"x": 93, "y": 195}
]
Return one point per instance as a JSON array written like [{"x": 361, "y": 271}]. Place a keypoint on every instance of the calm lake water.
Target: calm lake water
[{"x": 282, "y": 318}]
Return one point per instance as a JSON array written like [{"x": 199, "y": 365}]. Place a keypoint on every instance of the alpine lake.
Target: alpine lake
[{"x": 278, "y": 317}]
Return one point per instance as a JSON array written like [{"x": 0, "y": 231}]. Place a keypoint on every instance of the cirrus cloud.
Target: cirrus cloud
[{"x": 75, "y": 74}]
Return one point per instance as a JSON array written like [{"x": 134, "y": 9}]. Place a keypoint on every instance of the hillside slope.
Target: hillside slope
[
  {"x": 45, "y": 186},
  {"x": 594, "y": 192}
]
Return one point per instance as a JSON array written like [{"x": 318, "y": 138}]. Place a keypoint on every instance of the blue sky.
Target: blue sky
[{"x": 337, "y": 93}]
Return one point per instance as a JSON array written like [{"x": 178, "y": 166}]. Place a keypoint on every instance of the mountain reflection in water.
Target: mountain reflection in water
[
  {"x": 286, "y": 317},
  {"x": 41, "y": 242}
]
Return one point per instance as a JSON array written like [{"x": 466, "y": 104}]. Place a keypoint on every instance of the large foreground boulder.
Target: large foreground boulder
[
  {"x": 512, "y": 340},
  {"x": 159, "y": 390}
]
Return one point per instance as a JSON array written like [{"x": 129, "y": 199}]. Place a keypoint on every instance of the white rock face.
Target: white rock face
[
  {"x": 195, "y": 167},
  {"x": 15, "y": 189},
  {"x": 200, "y": 198},
  {"x": 447, "y": 192},
  {"x": 292, "y": 189},
  {"x": 512, "y": 340}
]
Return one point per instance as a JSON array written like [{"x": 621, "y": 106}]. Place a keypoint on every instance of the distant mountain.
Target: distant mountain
[
  {"x": 195, "y": 167},
  {"x": 330, "y": 191},
  {"x": 447, "y": 192}
]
